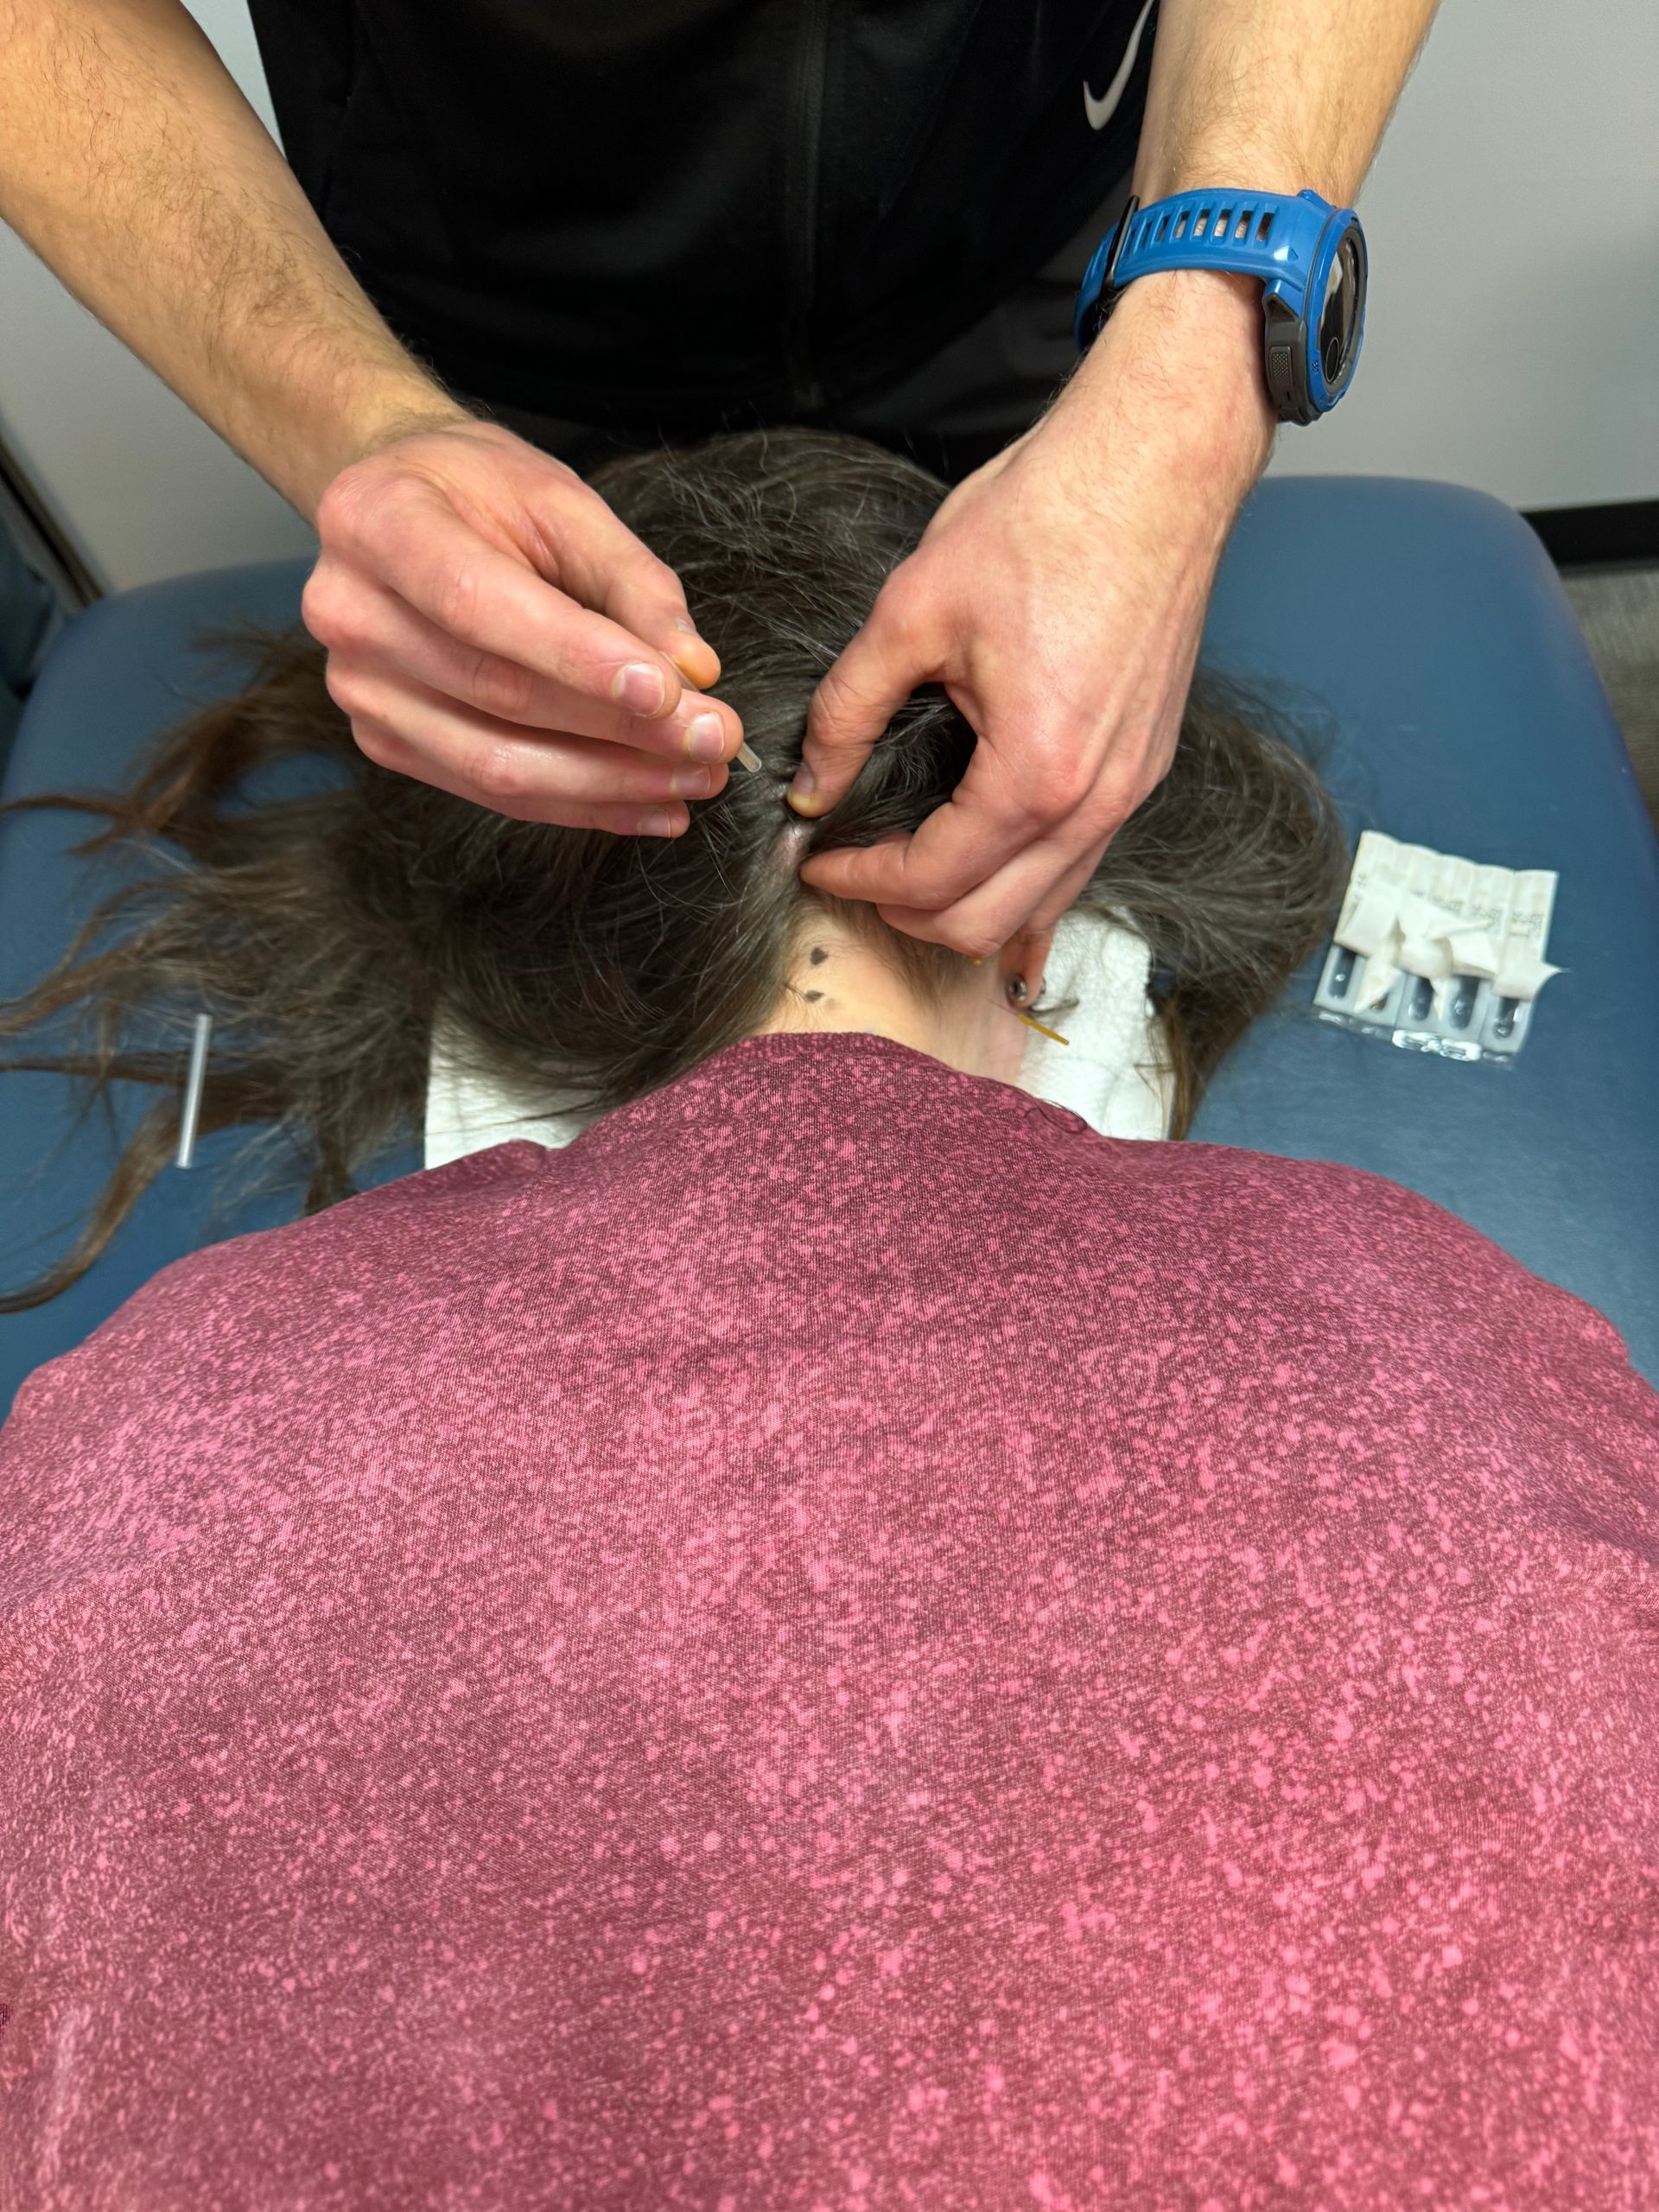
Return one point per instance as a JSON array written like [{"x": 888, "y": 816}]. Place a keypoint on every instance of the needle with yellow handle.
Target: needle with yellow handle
[{"x": 976, "y": 959}]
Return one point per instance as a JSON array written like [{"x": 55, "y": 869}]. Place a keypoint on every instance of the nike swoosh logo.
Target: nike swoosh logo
[{"x": 1100, "y": 111}]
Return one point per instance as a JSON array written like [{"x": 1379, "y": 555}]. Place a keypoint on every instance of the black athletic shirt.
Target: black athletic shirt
[{"x": 684, "y": 212}]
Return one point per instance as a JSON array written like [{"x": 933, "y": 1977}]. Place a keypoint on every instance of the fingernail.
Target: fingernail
[
  {"x": 705, "y": 738},
  {"x": 805, "y": 783},
  {"x": 698, "y": 643},
  {"x": 690, "y": 628},
  {"x": 659, "y": 823},
  {"x": 692, "y": 783},
  {"x": 640, "y": 689}
]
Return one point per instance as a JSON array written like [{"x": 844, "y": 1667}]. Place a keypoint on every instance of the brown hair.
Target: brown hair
[{"x": 325, "y": 933}]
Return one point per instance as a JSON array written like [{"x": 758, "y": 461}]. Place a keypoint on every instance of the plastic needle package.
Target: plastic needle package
[{"x": 1436, "y": 955}]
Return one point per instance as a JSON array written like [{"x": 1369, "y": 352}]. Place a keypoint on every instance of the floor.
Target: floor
[{"x": 1619, "y": 611}]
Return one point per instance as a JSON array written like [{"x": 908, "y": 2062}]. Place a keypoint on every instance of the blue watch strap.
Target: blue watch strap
[{"x": 1272, "y": 235}]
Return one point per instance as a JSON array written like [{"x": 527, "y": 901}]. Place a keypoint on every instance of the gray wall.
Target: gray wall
[{"x": 1513, "y": 347}]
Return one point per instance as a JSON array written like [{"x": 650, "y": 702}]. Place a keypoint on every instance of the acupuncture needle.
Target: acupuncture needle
[{"x": 195, "y": 1082}]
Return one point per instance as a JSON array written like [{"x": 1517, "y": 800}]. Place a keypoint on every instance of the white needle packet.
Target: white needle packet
[{"x": 1434, "y": 954}]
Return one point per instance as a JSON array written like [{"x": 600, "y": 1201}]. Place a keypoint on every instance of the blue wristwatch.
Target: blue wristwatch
[{"x": 1309, "y": 255}]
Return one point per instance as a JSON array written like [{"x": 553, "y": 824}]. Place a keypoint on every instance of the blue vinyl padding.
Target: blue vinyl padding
[{"x": 1423, "y": 623}]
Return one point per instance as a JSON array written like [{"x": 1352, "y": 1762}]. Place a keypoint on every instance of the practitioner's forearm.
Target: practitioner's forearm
[
  {"x": 1265, "y": 94},
  {"x": 131, "y": 163},
  {"x": 1274, "y": 94}
]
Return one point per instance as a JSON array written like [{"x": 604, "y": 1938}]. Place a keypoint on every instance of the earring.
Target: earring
[{"x": 1017, "y": 987}]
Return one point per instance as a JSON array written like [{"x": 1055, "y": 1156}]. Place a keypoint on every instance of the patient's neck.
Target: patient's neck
[{"x": 839, "y": 982}]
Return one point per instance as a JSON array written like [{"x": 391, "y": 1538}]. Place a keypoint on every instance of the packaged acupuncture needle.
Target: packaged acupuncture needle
[{"x": 1435, "y": 954}]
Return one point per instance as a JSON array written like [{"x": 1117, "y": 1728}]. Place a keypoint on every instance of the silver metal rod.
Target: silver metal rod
[{"x": 193, "y": 1090}]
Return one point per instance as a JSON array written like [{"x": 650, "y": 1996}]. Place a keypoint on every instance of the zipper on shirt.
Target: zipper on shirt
[{"x": 802, "y": 172}]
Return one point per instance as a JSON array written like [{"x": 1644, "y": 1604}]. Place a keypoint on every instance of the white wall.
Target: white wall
[{"x": 1513, "y": 345}]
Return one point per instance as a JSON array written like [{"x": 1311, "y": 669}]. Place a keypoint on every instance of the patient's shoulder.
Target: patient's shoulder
[
  {"x": 287, "y": 1289},
  {"x": 355, "y": 1232},
  {"x": 1388, "y": 1253},
  {"x": 220, "y": 1361}
]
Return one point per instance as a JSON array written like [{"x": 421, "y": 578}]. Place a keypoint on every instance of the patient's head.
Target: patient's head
[
  {"x": 781, "y": 541},
  {"x": 326, "y": 934}
]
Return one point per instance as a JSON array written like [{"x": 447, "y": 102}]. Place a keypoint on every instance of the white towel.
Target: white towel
[{"x": 1112, "y": 1071}]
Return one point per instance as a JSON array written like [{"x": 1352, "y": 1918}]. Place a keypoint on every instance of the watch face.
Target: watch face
[{"x": 1339, "y": 315}]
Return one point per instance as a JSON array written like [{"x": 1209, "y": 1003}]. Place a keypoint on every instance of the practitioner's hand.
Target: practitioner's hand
[
  {"x": 1058, "y": 595},
  {"x": 494, "y": 629}
]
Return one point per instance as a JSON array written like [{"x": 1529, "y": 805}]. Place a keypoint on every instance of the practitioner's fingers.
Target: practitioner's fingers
[
  {"x": 582, "y": 782},
  {"x": 380, "y": 639},
  {"x": 973, "y": 917},
  {"x": 407, "y": 536},
  {"x": 1002, "y": 851},
  {"x": 604, "y": 565},
  {"x": 461, "y": 559},
  {"x": 875, "y": 672}
]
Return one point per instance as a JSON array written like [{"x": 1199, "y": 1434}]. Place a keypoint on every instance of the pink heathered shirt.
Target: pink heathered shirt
[{"x": 844, "y": 1643}]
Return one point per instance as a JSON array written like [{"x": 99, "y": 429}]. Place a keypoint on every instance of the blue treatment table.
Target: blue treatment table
[{"x": 1423, "y": 623}]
